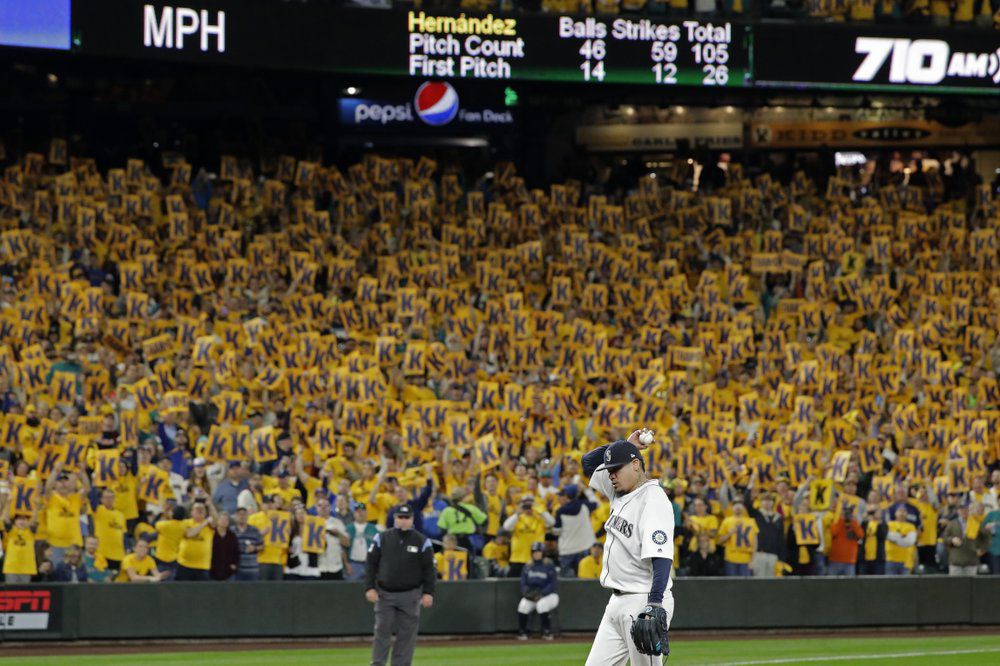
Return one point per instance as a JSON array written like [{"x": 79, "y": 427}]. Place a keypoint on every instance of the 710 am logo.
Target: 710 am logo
[{"x": 922, "y": 61}]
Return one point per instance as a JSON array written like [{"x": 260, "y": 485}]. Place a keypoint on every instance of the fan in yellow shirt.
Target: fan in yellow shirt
[
  {"x": 738, "y": 534},
  {"x": 900, "y": 544},
  {"x": 273, "y": 556},
  {"x": 379, "y": 502},
  {"x": 19, "y": 563},
  {"x": 109, "y": 528},
  {"x": 139, "y": 567},
  {"x": 195, "y": 556},
  {"x": 126, "y": 492},
  {"x": 311, "y": 484},
  {"x": 452, "y": 564},
  {"x": 361, "y": 488},
  {"x": 526, "y": 527},
  {"x": 590, "y": 566},
  {"x": 492, "y": 497},
  {"x": 285, "y": 488},
  {"x": 345, "y": 466},
  {"x": 700, "y": 522},
  {"x": 169, "y": 533},
  {"x": 497, "y": 552},
  {"x": 63, "y": 506},
  {"x": 927, "y": 535},
  {"x": 518, "y": 479}
]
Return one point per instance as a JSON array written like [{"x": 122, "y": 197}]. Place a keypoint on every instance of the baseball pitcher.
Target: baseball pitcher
[{"x": 638, "y": 556}]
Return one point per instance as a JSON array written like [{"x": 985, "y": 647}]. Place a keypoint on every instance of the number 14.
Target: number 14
[{"x": 593, "y": 70}]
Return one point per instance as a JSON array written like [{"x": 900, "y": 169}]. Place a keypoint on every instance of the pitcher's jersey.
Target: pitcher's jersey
[{"x": 640, "y": 527}]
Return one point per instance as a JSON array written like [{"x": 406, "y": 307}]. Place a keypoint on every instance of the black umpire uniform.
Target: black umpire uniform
[{"x": 401, "y": 569}]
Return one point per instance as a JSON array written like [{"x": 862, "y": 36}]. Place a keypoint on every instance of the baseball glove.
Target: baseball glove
[
  {"x": 533, "y": 594},
  {"x": 649, "y": 631}
]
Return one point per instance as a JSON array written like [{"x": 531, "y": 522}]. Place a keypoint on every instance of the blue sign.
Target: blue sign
[
  {"x": 42, "y": 24},
  {"x": 435, "y": 104}
]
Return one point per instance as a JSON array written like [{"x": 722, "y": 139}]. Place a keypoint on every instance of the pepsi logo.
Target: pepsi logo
[{"x": 436, "y": 103}]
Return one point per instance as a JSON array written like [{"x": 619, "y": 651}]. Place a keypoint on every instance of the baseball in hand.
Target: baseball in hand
[{"x": 646, "y": 437}]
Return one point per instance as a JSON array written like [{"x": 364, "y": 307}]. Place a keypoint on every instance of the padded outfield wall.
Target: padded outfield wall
[{"x": 300, "y": 609}]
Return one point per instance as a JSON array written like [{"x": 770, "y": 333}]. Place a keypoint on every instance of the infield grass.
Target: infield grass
[{"x": 963, "y": 650}]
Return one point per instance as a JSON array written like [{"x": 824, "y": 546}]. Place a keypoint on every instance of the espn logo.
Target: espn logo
[{"x": 25, "y": 610}]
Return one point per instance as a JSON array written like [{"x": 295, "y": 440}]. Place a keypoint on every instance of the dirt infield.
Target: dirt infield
[{"x": 68, "y": 648}]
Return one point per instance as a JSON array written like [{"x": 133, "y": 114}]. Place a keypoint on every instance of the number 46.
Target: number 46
[{"x": 593, "y": 48}]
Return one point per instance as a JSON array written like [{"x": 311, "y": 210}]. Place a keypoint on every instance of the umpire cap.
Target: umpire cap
[{"x": 619, "y": 453}]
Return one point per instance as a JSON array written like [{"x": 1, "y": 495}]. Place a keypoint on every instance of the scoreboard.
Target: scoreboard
[
  {"x": 573, "y": 49},
  {"x": 659, "y": 51},
  {"x": 325, "y": 37}
]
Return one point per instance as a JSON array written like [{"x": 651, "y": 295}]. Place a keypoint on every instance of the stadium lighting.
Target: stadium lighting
[{"x": 351, "y": 90}]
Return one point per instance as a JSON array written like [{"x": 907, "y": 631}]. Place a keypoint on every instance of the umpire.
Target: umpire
[{"x": 399, "y": 580}]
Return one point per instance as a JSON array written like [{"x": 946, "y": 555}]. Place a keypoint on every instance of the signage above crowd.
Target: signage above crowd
[{"x": 459, "y": 46}]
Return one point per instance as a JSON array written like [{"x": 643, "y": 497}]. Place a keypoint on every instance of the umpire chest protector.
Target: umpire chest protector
[{"x": 400, "y": 565}]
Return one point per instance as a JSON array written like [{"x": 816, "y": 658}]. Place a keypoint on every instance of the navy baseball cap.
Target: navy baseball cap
[
  {"x": 619, "y": 453},
  {"x": 404, "y": 511},
  {"x": 538, "y": 547}
]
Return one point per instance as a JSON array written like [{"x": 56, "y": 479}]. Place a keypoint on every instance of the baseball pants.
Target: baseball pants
[
  {"x": 546, "y": 604},
  {"x": 396, "y": 613},
  {"x": 613, "y": 644}
]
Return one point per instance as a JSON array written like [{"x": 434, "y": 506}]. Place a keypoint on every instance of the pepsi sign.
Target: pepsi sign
[{"x": 435, "y": 104}]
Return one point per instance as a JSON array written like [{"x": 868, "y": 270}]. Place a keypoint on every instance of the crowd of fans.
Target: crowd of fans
[
  {"x": 982, "y": 13},
  {"x": 243, "y": 376}
]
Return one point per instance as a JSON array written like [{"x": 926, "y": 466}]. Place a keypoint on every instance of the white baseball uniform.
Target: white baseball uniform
[{"x": 640, "y": 527}]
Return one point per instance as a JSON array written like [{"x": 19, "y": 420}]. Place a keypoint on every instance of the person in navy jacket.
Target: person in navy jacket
[{"x": 539, "y": 582}]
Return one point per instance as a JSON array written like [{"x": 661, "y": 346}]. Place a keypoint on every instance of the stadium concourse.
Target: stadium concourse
[{"x": 246, "y": 376}]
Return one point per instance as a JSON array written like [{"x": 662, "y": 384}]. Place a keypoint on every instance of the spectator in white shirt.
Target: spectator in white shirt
[
  {"x": 301, "y": 565},
  {"x": 331, "y": 561},
  {"x": 576, "y": 535}
]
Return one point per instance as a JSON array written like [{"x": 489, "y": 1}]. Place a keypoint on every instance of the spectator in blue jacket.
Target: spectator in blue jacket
[
  {"x": 418, "y": 503},
  {"x": 72, "y": 569},
  {"x": 228, "y": 491},
  {"x": 539, "y": 582}
]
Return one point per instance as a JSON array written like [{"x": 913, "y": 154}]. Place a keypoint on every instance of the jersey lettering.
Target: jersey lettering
[
  {"x": 619, "y": 524},
  {"x": 639, "y": 528}
]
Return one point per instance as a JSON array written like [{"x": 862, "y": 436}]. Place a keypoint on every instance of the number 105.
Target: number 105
[{"x": 710, "y": 53}]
